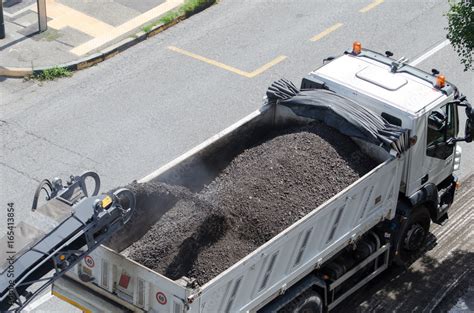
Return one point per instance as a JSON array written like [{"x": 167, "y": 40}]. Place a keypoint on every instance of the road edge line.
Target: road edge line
[{"x": 429, "y": 53}]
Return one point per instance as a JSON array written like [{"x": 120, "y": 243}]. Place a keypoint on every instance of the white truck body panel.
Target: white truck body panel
[{"x": 273, "y": 267}]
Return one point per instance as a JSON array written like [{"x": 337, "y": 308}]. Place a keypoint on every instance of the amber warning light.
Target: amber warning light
[
  {"x": 356, "y": 48},
  {"x": 440, "y": 81}
]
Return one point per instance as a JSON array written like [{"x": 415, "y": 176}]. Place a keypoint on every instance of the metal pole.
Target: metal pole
[
  {"x": 42, "y": 17},
  {"x": 2, "y": 24}
]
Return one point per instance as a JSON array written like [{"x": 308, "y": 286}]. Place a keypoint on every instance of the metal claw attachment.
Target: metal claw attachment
[{"x": 75, "y": 189}]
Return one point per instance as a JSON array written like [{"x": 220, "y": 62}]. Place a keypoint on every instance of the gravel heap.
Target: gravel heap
[{"x": 262, "y": 191}]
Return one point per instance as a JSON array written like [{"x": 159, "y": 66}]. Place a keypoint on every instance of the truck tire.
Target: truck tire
[
  {"x": 413, "y": 235},
  {"x": 307, "y": 302}
]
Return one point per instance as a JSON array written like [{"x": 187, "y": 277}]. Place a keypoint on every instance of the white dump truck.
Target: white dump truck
[{"x": 403, "y": 117}]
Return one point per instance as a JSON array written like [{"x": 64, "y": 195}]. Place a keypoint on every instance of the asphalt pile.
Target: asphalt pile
[{"x": 262, "y": 191}]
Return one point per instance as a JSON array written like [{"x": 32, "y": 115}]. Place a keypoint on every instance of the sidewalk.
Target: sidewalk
[{"x": 77, "y": 29}]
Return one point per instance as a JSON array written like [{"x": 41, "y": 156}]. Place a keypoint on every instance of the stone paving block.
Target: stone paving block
[
  {"x": 11, "y": 31},
  {"x": 28, "y": 30},
  {"x": 73, "y": 37},
  {"x": 36, "y": 53},
  {"x": 142, "y": 5},
  {"x": 106, "y": 11},
  {"x": 16, "y": 6},
  {"x": 27, "y": 19},
  {"x": 50, "y": 34}
]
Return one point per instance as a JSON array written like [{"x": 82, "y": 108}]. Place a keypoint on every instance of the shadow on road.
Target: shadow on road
[{"x": 418, "y": 288}]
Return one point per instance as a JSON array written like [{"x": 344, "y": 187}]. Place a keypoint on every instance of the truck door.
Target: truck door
[{"x": 439, "y": 155}]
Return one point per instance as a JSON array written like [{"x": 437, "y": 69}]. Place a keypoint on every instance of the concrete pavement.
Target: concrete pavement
[
  {"x": 76, "y": 30},
  {"x": 128, "y": 116}
]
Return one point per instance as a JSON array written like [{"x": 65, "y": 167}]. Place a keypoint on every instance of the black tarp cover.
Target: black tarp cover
[{"x": 341, "y": 113}]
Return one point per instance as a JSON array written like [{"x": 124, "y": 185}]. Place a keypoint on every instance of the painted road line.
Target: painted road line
[
  {"x": 126, "y": 27},
  {"x": 229, "y": 68},
  {"x": 267, "y": 66},
  {"x": 371, "y": 6},
  {"x": 429, "y": 53},
  {"x": 326, "y": 32},
  {"x": 209, "y": 61}
]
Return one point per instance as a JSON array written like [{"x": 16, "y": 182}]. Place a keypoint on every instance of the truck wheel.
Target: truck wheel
[
  {"x": 307, "y": 302},
  {"x": 413, "y": 235}
]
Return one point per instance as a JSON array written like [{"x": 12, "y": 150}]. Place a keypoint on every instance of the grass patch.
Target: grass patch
[
  {"x": 52, "y": 73},
  {"x": 50, "y": 35},
  {"x": 169, "y": 17},
  {"x": 147, "y": 28},
  {"x": 188, "y": 7}
]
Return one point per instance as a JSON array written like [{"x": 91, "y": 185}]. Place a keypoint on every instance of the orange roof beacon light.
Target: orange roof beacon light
[
  {"x": 356, "y": 48},
  {"x": 440, "y": 81}
]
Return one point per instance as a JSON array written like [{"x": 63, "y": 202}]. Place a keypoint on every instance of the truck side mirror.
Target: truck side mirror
[
  {"x": 469, "y": 130},
  {"x": 437, "y": 120}
]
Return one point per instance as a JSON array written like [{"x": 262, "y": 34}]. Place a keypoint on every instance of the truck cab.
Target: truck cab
[{"x": 413, "y": 99}]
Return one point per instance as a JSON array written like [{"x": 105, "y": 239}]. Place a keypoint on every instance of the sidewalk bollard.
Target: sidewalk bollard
[
  {"x": 2, "y": 24},
  {"x": 42, "y": 17}
]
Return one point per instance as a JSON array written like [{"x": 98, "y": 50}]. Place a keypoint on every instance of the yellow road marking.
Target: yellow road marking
[
  {"x": 63, "y": 16},
  {"x": 371, "y": 6},
  {"x": 326, "y": 32},
  {"x": 209, "y": 61},
  {"x": 229, "y": 68},
  {"x": 126, "y": 27},
  {"x": 267, "y": 66}
]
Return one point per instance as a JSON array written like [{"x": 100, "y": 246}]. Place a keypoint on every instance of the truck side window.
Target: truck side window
[
  {"x": 436, "y": 146},
  {"x": 392, "y": 119}
]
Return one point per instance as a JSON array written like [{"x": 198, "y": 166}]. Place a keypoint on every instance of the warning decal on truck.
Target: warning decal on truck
[
  {"x": 161, "y": 298},
  {"x": 89, "y": 261}
]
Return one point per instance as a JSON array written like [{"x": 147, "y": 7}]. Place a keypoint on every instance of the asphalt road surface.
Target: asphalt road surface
[
  {"x": 441, "y": 279},
  {"x": 128, "y": 116}
]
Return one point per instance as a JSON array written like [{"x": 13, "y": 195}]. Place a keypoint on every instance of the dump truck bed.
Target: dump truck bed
[{"x": 266, "y": 272}]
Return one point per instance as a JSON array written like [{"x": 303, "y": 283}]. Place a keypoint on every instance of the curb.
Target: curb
[{"x": 106, "y": 53}]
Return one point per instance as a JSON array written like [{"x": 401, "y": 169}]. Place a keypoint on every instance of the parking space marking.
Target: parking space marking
[
  {"x": 229, "y": 68},
  {"x": 371, "y": 6},
  {"x": 267, "y": 66},
  {"x": 326, "y": 32}
]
